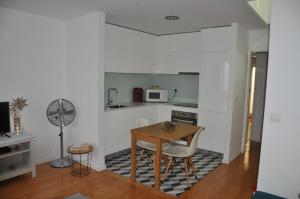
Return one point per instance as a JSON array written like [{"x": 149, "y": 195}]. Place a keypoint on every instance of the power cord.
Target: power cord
[{"x": 174, "y": 94}]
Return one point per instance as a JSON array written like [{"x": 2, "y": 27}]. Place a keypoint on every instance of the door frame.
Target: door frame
[{"x": 246, "y": 106}]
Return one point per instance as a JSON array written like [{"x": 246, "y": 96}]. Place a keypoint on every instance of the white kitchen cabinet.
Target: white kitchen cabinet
[
  {"x": 129, "y": 51},
  {"x": 164, "y": 112},
  {"x": 217, "y": 39},
  {"x": 118, "y": 124},
  {"x": 213, "y": 137},
  {"x": 178, "y": 53},
  {"x": 214, "y": 81}
]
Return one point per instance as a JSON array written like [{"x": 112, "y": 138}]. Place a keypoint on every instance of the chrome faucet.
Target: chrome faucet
[{"x": 109, "y": 99}]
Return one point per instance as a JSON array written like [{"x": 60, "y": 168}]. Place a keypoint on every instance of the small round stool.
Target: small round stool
[{"x": 82, "y": 166}]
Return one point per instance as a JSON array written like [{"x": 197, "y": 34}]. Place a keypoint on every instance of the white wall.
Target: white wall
[
  {"x": 43, "y": 59},
  {"x": 32, "y": 60},
  {"x": 259, "y": 40},
  {"x": 85, "y": 81},
  {"x": 280, "y": 158}
]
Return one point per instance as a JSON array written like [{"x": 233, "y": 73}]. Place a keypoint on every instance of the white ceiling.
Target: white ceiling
[{"x": 148, "y": 15}]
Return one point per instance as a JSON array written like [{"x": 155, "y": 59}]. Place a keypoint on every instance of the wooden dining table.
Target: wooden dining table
[{"x": 158, "y": 134}]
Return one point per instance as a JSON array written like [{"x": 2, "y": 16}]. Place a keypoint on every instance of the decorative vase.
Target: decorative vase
[{"x": 17, "y": 125}]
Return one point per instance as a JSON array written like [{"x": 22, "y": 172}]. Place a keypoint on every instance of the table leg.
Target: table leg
[
  {"x": 157, "y": 165},
  {"x": 133, "y": 159},
  {"x": 80, "y": 172}
]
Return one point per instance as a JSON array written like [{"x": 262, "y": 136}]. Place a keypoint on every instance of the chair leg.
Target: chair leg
[
  {"x": 173, "y": 165},
  {"x": 140, "y": 158},
  {"x": 167, "y": 169},
  {"x": 153, "y": 159},
  {"x": 193, "y": 167},
  {"x": 186, "y": 171},
  {"x": 189, "y": 163},
  {"x": 149, "y": 157}
]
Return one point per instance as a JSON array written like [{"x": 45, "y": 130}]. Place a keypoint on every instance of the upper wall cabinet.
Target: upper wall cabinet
[
  {"x": 217, "y": 39},
  {"x": 178, "y": 53},
  {"x": 129, "y": 51}
]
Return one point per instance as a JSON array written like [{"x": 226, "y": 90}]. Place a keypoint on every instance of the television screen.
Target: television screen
[{"x": 4, "y": 118}]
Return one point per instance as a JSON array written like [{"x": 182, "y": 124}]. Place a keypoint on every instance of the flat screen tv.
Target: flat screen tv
[{"x": 4, "y": 118}]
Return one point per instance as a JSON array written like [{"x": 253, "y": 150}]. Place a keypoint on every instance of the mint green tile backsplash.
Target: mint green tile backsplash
[
  {"x": 125, "y": 82},
  {"x": 187, "y": 85}
]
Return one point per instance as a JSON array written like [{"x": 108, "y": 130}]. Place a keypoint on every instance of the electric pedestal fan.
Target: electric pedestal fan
[{"x": 61, "y": 113}]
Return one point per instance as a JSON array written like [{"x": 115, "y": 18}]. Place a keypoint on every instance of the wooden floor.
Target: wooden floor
[{"x": 232, "y": 181}]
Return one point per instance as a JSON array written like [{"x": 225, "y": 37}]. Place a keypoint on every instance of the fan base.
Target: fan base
[{"x": 61, "y": 163}]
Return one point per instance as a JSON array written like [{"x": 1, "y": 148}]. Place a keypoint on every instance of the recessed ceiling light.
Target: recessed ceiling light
[{"x": 171, "y": 17}]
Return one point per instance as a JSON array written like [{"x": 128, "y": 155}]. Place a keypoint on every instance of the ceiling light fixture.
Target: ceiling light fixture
[{"x": 171, "y": 17}]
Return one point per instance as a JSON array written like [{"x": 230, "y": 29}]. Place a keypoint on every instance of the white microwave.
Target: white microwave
[{"x": 156, "y": 95}]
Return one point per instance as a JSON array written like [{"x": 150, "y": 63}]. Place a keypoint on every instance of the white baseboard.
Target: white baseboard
[
  {"x": 99, "y": 168},
  {"x": 228, "y": 161},
  {"x": 225, "y": 161}
]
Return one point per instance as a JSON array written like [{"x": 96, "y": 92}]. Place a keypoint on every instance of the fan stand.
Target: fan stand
[{"x": 63, "y": 161}]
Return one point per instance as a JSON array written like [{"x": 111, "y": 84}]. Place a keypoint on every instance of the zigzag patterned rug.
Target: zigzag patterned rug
[{"x": 175, "y": 183}]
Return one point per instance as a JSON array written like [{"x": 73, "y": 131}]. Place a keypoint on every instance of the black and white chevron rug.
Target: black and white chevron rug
[{"x": 175, "y": 183}]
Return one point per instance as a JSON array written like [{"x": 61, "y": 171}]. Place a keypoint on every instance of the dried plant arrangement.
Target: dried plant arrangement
[{"x": 18, "y": 105}]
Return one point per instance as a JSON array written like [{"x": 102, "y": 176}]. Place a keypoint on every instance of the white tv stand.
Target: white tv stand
[{"x": 20, "y": 159}]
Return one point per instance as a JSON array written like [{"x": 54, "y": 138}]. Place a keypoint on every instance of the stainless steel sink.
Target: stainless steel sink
[{"x": 117, "y": 106}]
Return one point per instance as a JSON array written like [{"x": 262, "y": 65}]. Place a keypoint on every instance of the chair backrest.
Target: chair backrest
[
  {"x": 193, "y": 146},
  {"x": 142, "y": 122}
]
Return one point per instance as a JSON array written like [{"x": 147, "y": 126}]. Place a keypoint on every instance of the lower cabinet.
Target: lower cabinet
[
  {"x": 118, "y": 124},
  {"x": 214, "y": 135}
]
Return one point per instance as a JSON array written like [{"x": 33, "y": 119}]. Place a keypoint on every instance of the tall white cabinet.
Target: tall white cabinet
[
  {"x": 215, "y": 86},
  {"x": 222, "y": 89},
  {"x": 214, "y": 81}
]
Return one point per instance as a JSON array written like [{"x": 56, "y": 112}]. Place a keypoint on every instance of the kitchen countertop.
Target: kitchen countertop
[{"x": 139, "y": 104}]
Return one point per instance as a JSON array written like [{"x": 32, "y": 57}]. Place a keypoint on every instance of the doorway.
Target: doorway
[{"x": 256, "y": 97}]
